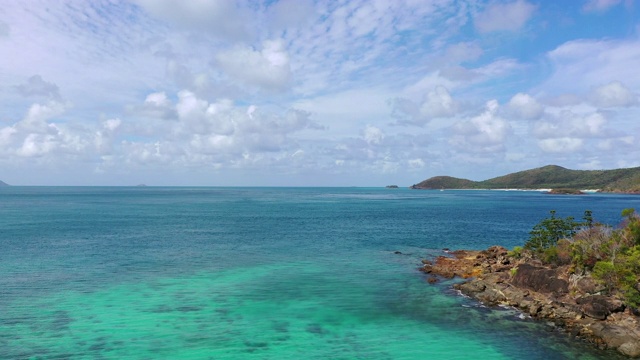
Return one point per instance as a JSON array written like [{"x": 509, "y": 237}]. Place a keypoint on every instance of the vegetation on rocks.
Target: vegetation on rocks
[
  {"x": 610, "y": 255},
  {"x": 582, "y": 276}
]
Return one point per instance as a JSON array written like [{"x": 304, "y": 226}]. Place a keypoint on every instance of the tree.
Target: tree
[{"x": 547, "y": 232}]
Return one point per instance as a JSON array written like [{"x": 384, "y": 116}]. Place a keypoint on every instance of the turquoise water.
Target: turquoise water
[{"x": 263, "y": 273}]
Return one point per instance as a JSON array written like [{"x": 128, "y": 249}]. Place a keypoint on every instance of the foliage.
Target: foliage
[
  {"x": 621, "y": 274},
  {"x": 612, "y": 255},
  {"x": 516, "y": 252},
  {"x": 547, "y": 232}
]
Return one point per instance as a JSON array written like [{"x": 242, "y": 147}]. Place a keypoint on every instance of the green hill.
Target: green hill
[{"x": 547, "y": 177}]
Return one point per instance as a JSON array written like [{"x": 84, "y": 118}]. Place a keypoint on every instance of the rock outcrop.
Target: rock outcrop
[{"x": 572, "y": 302}]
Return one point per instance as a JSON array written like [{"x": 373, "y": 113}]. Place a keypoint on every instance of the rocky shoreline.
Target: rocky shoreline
[{"x": 572, "y": 302}]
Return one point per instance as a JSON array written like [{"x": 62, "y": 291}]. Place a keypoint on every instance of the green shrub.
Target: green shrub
[
  {"x": 605, "y": 271},
  {"x": 621, "y": 274},
  {"x": 516, "y": 252},
  {"x": 550, "y": 255}
]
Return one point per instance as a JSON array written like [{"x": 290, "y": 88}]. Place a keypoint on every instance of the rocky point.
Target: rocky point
[{"x": 573, "y": 302}]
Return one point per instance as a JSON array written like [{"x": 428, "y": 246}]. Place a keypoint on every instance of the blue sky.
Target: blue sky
[{"x": 314, "y": 93}]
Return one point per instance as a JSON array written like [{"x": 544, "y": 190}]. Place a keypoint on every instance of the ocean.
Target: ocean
[{"x": 264, "y": 273}]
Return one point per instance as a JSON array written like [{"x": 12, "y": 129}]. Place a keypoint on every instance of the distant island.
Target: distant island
[
  {"x": 391, "y": 186},
  {"x": 2, "y": 183},
  {"x": 564, "y": 180}
]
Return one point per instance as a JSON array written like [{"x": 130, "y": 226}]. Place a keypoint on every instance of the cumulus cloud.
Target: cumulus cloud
[
  {"x": 36, "y": 86},
  {"x": 268, "y": 68},
  {"x": 613, "y": 94},
  {"x": 568, "y": 131},
  {"x": 570, "y": 124},
  {"x": 201, "y": 117},
  {"x": 104, "y": 136},
  {"x": 486, "y": 132},
  {"x": 38, "y": 115},
  {"x": 223, "y": 131},
  {"x": 504, "y": 16},
  {"x": 373, "y": 135},
  {"x": 39, "y": 135},
  {"x": 156, "y": 105},
  {"x": 438, "y": 103},
  {"x": 525, "y": 106},
  {"x": 200, "y": 133}
]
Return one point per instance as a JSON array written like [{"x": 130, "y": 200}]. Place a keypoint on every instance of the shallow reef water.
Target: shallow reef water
[{"x": 264, "y": 273}]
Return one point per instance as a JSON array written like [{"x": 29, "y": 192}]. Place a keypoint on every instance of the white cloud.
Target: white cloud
[
  {"x": 373, "y": 135},
  {"x": 600, "y": 5},
  {"x": 229, "y": 87},
  {"x": 198, "y": 114},
  {"x": 583, "y": 64},
  {"x": 290, "y": 13},
  {"x": 105, "y": 137},
  {"x": 223, "y": 18},
  {"x": 486, "y": 132},
  {"x": 437, "y": 103},
  {"x": 525, "y": 106},
  {"x": 560, "y": 145},
  {"x": 36, "y": 86},
  {"x": 462, "y": 52},
  {"x": 613, "y": 94},
  {"x": 41, "y": 134},
  {"x": 416, "y": 163},
  {"x": 568, "y": 131},
  {"x": 38, "y": 116},
  {"x": 5, "y": 29},
  {"x": 504, "y": 16},
  {"x": 268, "y": 68},
  {"x": 570, "y": 124}
]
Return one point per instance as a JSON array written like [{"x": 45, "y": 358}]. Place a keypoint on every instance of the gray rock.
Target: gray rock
[{"x": 630, "y": 348}]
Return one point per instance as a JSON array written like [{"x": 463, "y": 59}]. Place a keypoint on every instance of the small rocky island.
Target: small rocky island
[
  {"x": 391, "y": 186},
  {"x": 565, "y": 192},
  {"x": 572, "y": 281}
]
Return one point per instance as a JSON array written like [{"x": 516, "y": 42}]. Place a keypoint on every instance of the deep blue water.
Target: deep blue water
[{"x": 268, "y": 273}]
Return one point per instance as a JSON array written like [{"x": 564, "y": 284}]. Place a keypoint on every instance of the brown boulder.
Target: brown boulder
[
  {"x": 599, "y": 307},
  {"x": 540, "y": 279}
]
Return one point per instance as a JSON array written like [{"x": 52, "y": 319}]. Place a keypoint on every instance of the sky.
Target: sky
[{"x": 314, "y": 92}]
